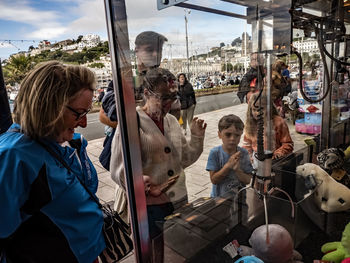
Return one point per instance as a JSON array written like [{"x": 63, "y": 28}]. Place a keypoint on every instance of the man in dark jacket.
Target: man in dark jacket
[
  {"x": 148, "y": 50},
  {"x": 247, "y": 83},
  {"x": 187, "y": 99}
]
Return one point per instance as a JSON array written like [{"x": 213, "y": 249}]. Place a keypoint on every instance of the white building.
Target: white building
[
  {"x": 103, "y": 75},
  {"x": 306, "y": 46},
  {"x": 90, "y": 40}
]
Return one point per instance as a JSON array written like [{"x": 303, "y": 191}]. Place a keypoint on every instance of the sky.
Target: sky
[{"x": 26, "y": 22}]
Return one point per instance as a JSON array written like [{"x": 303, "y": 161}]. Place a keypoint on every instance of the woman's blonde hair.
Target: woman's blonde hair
[
  {"x": 44, "y": 93},
  {"x": 251, "y": 125}
]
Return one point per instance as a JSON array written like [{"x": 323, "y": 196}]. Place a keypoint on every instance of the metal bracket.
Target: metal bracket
[{"x": 161, "y": 4}]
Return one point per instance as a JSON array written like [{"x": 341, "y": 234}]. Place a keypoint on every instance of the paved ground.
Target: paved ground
[{"x": 197, "y": 178}]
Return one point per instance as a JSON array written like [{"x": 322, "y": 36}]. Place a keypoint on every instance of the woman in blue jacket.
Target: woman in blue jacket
[{"x": 46, "y": 214}]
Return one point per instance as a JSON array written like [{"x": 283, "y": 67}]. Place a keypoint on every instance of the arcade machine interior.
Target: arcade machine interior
[{"x": 219, "y": 220}]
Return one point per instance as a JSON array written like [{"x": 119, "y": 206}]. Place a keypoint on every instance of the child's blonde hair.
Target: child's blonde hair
[{"x": 251, "y": 124}]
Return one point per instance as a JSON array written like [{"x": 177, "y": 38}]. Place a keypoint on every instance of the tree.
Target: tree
[
  {"x": 222, "y": 44},
  {"x": 31, "y": 48},
  {"x": 227, "y": 67},
  {"x": 17, "y": 68},
  {"x": 97, "y": 65},
  {"x": 238, "y": 67},
  {"x": 80, "y": 37},
  {"x": 236, "y": 41}
]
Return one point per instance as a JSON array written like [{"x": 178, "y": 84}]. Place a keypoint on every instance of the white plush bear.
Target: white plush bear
[{"x": 330, "y": 196}]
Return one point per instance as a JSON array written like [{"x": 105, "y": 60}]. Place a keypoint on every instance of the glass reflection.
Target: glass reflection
[{"x": 193, "y": 207}]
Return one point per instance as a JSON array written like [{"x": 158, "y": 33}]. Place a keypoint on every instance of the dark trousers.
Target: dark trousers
[{"x": 156, "y": 215}]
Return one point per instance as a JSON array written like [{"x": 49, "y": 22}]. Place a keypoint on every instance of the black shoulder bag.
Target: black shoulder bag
[{"x": 115, "y": 230}]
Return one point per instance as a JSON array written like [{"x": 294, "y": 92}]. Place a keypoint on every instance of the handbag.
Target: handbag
[{"x": 115, "y": 230}]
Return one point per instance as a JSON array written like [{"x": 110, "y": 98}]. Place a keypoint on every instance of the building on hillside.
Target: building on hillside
[
  {"x": 197, "y": 66},
  {"x": 90, "y": 40},
  {"x": 306, "y": 46},
  {"x": 62, "y": 43},
  {"x": 246, "y": 46},
  {"x": 20, "y": 53},
  {"x": 103, "y": 75},
  {"x": 44, "y": 44}
]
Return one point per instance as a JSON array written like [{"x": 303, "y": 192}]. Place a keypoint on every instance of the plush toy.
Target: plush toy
[
  {"x": 347, "y": 153},
  {"x": 278, "y": 248},
  {"x": 331, "y": 158},
  {"x": 330, "y": 195},
  {"x": 338, "y": 251}
]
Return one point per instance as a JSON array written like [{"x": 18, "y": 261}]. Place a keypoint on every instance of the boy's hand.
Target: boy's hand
[
  {"x": 233, "y": 162},
  {"x": 198, "y": 127}
]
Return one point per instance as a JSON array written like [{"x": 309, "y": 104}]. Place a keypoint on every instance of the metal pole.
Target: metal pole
[
  {"x": 118, "y": 36},
  {"x": 245, "y": 48},
  {"x": 188, "y": 61}
]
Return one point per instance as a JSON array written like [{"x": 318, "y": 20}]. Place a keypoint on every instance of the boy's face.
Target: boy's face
[{"x": 230, "y": 137}]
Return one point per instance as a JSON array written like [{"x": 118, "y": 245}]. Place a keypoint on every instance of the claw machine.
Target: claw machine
[{"x": 157, "y": 47}]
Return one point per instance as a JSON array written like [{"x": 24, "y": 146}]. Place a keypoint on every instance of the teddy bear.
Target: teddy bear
[{"x": 330, "y": 196}]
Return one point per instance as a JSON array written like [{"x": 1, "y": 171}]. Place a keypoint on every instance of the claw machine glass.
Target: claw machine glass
[{"x": 203, "y": 150}]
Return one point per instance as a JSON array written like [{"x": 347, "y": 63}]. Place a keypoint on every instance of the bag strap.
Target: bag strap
[{"x": 60, "y": 159}]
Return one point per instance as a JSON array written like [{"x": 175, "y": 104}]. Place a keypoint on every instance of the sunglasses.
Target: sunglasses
[
  {"x": 171, "y": 97},
  {"x": 78, "y": 115}
]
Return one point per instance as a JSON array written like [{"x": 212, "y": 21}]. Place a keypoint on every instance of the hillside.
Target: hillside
[{"x": 18, "y": 65}]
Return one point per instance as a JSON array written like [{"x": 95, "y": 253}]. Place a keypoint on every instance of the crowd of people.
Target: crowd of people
[{"x": 48, "y": 216}]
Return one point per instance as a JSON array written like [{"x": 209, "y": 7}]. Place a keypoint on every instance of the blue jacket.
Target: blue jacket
[{"x": 46, "y": 214}]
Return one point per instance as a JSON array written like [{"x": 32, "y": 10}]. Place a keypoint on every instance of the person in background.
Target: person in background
[
  {"x": 108, "y": 116},
  {"x": 187, "y": 99},
  {"x": 228, "y": 164},
  {"x": 249, "y": 82},
  {"x": 281, "y": 139},
  {"x": 286, "y": 75},
  {"x": 165, "y": 153},
  {"x": 100, "y": 96},
  {"x": 148, "y": 51},
  {"x": 279, "y": 86},
  {"x": 46, "y": 214},
  {"x": 108, "y": 111}
]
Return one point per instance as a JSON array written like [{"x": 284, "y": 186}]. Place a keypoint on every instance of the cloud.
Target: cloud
[
  {"x": 91, "y": 17},
  {"x": 5, "y": 45},
  {"x": 48, "y": 32},
  {"x": 20, "y": 11}
]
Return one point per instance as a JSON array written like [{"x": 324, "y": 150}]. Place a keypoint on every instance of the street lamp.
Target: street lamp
[{"x": 188, "y": 61}]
